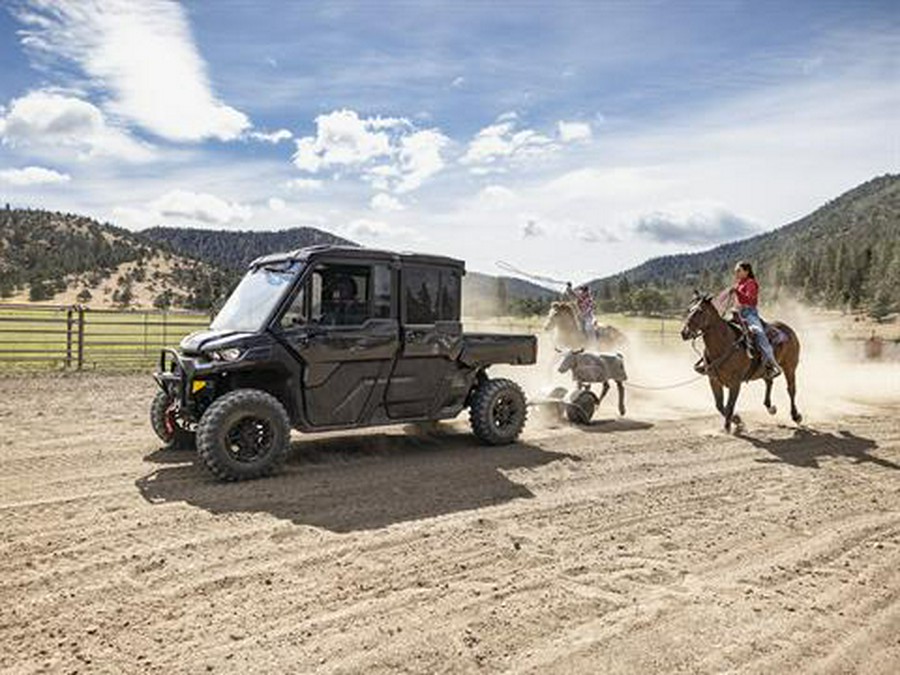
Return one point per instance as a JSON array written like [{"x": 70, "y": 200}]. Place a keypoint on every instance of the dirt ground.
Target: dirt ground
[{"x": 635, "y": 545}]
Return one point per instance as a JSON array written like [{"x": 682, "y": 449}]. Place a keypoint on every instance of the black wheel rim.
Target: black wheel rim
[
  {"x": 504, "y": 412},
  {"x": 249, "y": 439}
]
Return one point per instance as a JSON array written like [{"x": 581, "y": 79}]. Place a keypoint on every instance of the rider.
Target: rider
[
  {"x": 569, "y": 294},
  {"x": 746, "y": 293},
  {"x": 585, "y": 302}
]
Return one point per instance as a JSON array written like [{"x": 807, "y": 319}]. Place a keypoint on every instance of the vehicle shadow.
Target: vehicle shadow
[
  {"x": 806, "y": 446},
  {"x": 361, "y": 482}
]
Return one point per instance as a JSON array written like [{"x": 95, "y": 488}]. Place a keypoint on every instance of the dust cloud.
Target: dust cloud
[{"x": 833, "y": 377}]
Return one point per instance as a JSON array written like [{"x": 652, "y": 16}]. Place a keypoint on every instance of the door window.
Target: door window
[
  {"x": 340, "y": 295},
  {"x": 430, "y": 295},
  {"x": 296, "y": 314},
  {"x": 383, "y": 291}
]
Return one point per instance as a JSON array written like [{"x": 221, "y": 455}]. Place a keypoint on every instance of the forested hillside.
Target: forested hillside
[
  {"x": 235, "y": 249},
  {"x": 483, "y": 295},
  {"x": 845, "y": 254},
  {"x": 66, "y": 258}
]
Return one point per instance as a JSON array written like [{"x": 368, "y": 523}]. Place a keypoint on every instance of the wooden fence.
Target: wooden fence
[{"x": 73, "y": 337}]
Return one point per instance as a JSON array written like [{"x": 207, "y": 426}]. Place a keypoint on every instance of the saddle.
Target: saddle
[
  {"x": 742, "y": 330},
  {"x": 746, "y": 341}
]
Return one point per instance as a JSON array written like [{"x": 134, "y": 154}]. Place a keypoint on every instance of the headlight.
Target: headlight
[{"x": 232, "y": 354}]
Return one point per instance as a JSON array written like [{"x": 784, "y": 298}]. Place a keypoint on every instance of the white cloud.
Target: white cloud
[
  {"x": 570, "y": 132},
  {"x": 385, "y": 203},
  {"x": 387, "y": 151},
  {"x": 495, "y": 197},
  {"x": 273, "y": 137},
  {"x": 693, "y": 224},
  {"x": 33, "y": 175},
  {"x": 277, "y": 204},
  {"x": 502, "y": 142},
  {"x": 192, "y": 206},
  {"x": 342, "y": 139},
  {"x": 593, "y": 235},
  {"x": 374, "y": 229},
  {"x": 419, "y": 158},
  {"x": 458, "y": 82},
  {"x": 304, "y": 184},
  {"x": 55, "y": 123},
  {"x": 143, "y": 56}
]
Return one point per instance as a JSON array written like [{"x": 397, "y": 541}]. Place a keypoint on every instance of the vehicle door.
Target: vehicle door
[
  {"x": 427, "y": 381},
  {"x": 343, "y": 326}
]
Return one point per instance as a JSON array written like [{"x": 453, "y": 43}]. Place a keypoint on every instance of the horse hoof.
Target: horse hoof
[
  {"x": 772, "y": 409},
  {"x": 798, "y": 418}
]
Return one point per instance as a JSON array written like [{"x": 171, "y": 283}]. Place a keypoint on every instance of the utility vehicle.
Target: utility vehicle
[{"x": 331, "y": 337}]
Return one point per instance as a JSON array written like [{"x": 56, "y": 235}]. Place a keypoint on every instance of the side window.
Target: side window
[
  {"x": 421, "y": 287},
  {"x": 431, "y": 294},
  {"x": 296, "y": 314},
  {"x": 450, "y": 295},
  {"x": 340, "y": 295},
  {"x": 383, "y": 292}
]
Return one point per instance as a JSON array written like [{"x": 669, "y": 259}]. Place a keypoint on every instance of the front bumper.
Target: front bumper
[{"x": 178, "y": 377}]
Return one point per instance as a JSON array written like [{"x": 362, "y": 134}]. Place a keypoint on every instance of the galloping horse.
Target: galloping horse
[
  {"x": 728, "y": 365},
  {"x": 563, "y": 322}
]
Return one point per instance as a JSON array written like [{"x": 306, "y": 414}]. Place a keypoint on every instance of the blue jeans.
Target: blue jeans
[
  {"x": 751, "y": 316},
  {"x": 587, "y": 322}
]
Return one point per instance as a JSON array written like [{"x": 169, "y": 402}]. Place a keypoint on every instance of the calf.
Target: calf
[{"x": 587, "y": 367}]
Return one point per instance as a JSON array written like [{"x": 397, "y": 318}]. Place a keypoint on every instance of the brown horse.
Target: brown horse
[
  {"x": 563, "y": 322},
  {"x": 728, "y": 365}
]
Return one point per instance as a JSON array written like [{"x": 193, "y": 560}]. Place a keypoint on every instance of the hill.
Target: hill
[
  {"x": 235, "y": 249},
  {"x": 65, "y": 258},
  {"x": 845, "y": 254},
  {"x": 483, "y": 295}
]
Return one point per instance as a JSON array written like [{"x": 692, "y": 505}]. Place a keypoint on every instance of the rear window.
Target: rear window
[{"x": 430, "y": 294}]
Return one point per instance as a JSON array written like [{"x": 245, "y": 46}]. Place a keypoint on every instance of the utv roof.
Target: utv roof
[{"x": 305, "y": 254}]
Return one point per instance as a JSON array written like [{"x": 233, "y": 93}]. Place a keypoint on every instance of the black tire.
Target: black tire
[
  {"x": 243, "y": 435},
  {"x": 497, "y": 411},
  {"x": 179, "y": 438},
  {"x": 581, "y": 410}
]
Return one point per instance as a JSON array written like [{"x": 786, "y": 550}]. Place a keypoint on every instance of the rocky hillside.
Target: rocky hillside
[{"x": 64, "y": 258}]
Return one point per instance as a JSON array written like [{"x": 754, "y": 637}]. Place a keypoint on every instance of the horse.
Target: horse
[
  {"x": 563, "y": 321},
  {"x": 727, "y": 363}
]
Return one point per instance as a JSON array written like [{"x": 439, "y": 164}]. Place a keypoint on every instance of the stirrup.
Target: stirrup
[{"x": 700, "y": 367}]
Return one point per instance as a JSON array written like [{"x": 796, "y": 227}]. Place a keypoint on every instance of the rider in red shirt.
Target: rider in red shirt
[{"x": 746, "y": 292}]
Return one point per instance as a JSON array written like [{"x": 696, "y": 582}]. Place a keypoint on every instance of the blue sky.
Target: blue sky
[{"x": 570, "y": 138}]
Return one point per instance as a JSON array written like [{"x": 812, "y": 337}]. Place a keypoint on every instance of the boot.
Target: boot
[{"x": 772, "y": 370}]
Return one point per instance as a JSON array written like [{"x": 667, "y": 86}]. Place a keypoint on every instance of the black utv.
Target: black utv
[{"x": 329, "y": 338}]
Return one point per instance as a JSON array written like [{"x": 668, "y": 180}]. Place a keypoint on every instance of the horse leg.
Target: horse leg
[
  {"x": 790, "y": 375},
  {"x": 621, "y": 388},
  {"x": 716, "y": 387},
  {"x": 768, "y": 400},
  {"x": 729, "y": 409},
  {"x": 603, "y": 393}
]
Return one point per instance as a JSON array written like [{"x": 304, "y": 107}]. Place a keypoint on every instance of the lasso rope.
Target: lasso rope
[
  {"x": 683, "y": 383},
  {"x": 506, "y": 267}
]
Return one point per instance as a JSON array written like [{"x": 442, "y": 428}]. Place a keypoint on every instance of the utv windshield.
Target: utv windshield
[{"x": 254, "y": 299}]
